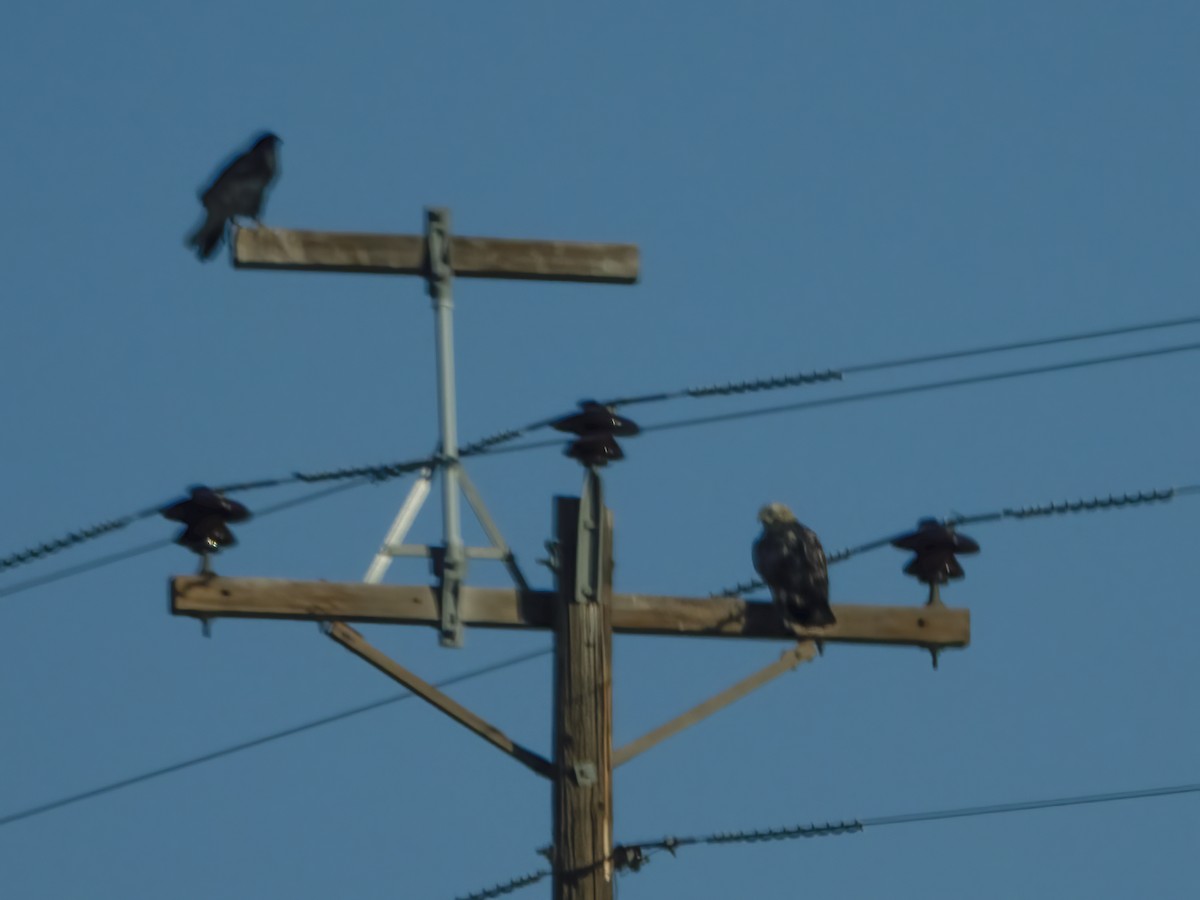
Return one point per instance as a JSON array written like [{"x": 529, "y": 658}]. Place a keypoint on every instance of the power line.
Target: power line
[
  {"x": 230, "y": 750},
  {"x": 1022, "y": 345},
  {"x": 922, "y": 388},
  {"x": 774, "y": 383},
  {"x": 90, "y": 565},
  {"x": 515, "y": 884},
  {"x": 492, "y": 443},
  {"x": 142, "y": 549},
  {"x": 1111, "y": 502},
  {"x": 642, "y": 850},
  {"x": 1092, "y": 504},
  {"x": 857, "y": 825}
]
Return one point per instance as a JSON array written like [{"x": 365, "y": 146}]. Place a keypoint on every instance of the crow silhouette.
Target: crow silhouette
[{"x": 239, "y": 190}]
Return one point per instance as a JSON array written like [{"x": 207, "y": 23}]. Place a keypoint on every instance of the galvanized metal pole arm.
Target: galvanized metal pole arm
[{"x": 451, "y": 564}]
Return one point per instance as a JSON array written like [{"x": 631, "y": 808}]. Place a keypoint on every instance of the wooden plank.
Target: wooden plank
[
  {"x": 734, "y": 617},
  {"x": 404, "y": 254},
  {"x": 358, "y": 645},
  {"x": 265, "y": 598},
  {"x": 269, "y": 598},
  {"x": 544, "y": 260},
  {"x": 790, "y": 659},
  {"x": 582, "y": 803}
]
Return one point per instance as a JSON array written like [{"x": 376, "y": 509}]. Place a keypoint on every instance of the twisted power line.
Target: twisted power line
[
  {"x": 643, "y": 849},
  {"x": 142, "y": 549},
  {"x": 1092, "y": 504},
  {"x": 495, "y": 442},
  {"x": 508, "y": 887}
]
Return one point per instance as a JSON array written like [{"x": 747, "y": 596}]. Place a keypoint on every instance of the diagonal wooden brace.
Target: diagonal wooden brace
[
  {"x": 358, "y": 645},
  {"x": 801, "y": 653}
]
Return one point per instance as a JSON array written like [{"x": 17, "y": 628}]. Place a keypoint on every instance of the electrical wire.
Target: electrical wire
[
  {"x": 514, "y": 884},
  {"x": 223, "y": 752},
  {"x": 922, "y": 388},
  {"x": 142, "y": 549},
  {"x": 1092, "y": 504},
  {"x": 493, "y": 443},
  {"x": 1022, "y": 345},
  {"x": 81, "y": 568},
  {"x": 642, "y": 850}
]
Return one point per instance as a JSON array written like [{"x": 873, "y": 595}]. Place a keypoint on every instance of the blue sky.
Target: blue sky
[{"x": 811, "y": 186}]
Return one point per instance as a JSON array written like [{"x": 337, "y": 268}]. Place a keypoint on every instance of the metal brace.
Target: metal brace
[
  {"x": 585, "y": 774},
  {"x": 590, "y": 550},
  {"x": 453, "y": 567}
]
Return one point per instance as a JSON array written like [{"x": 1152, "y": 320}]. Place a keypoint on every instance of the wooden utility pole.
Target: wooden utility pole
[
  {"x": 582, "y": 612},
  {"x": 583, "y": 812}
]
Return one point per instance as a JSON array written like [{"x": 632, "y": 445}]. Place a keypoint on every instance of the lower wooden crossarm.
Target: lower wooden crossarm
[
  {"x": 358, "y": 645},
  {"x": 801, "y": 653}
]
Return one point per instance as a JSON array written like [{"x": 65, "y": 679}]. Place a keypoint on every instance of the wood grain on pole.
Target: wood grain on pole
[
  {"x": 358, "y": 645},
  {"x": 404, "y": 254},
  {"x": 582, "y": 807},
  {"x": 208, "y": 596}
]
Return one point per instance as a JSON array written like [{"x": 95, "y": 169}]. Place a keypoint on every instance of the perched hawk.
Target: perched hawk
[
  {"x": 790, "y": 561},
  {"x": 238, "y": 191}
]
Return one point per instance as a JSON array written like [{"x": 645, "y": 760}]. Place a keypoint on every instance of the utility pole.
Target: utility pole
[
  {"x": 582, "y": 612},
  {"x": 583, "y": 810}
]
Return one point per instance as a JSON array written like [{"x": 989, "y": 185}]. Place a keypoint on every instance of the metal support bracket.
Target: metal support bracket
[
  {"x": 440, "y": 276},
  {"x": 590, "y": 539},
  {"x": 451, "y": 559},
  {"x": 394, "y": 539}
]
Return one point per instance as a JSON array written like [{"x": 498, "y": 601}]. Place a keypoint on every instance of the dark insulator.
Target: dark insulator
[
  {"x": 595, "y": 450},
  {"x": 594, "y": 418},
  {"x": 935, "y": 545},
  {"x": 205, "y": 515},
  {"x": 598, "y": 426}
]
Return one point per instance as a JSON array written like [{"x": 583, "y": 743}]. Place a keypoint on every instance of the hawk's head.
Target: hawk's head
[{"x": 775, "y": 514}]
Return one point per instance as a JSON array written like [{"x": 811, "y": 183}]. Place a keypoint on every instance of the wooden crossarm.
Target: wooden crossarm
[
  {"x": 404, "y": 254},
  {"x": 207, "y": 597}
]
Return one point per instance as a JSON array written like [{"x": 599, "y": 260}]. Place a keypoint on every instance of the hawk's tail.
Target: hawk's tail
[
  {"x": 207, "y": 237},
  {"x": 819, "y": 615},
  {"x": 808, "y": 612}
]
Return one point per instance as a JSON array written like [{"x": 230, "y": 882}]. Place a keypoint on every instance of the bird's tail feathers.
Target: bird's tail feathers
[
  {"x": 808, "y": 614},
  {"x": 820, "y": 615},
  {"x": 206, "y": 238}
]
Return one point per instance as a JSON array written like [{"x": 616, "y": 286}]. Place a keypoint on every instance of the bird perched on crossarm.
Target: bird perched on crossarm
[
  {"x": 789, "y": 559},
  {"x": 239, "y": 190}
]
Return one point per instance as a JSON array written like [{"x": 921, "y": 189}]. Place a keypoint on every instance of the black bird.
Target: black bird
[
  {"x": 791, "y": 562},
  {"x": 239, "y": 190}
]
